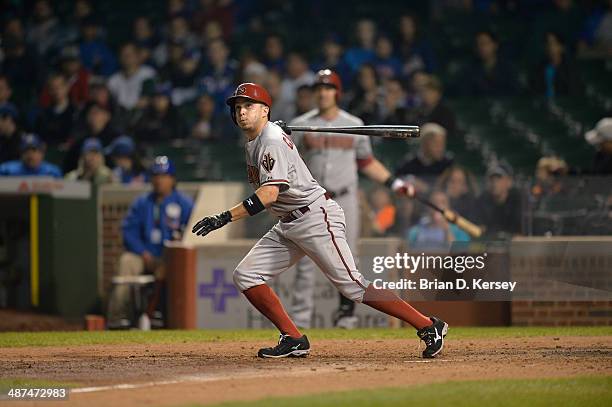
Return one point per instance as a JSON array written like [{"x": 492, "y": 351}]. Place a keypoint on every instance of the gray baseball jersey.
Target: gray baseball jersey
[
  {"x": 273, "y": 159},
  {"x": 318, "y": 233},
  {"x": 332, "y": 158}
]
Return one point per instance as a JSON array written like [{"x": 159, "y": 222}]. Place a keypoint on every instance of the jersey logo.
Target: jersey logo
[
  {"x": 268, "y": 162},
  {"x": 253, "y": 175},
  {"x": 288, "y": 142}
]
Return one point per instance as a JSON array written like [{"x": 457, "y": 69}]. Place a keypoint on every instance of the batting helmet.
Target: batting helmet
[
  {"x": 329, "y": 77},
  {"x": 162, "y": 165},
  {"x": 250, "y": 91}
]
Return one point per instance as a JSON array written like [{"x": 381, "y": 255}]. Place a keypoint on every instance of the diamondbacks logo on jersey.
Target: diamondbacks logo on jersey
[
  {"x": 268, "y": 162},
  {"x": 253, "y": 175}
]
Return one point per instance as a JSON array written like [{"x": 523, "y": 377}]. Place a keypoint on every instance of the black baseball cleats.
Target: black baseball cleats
[
  {"x": 287, "y": 347},
  {"x": 433, "y": 336}
]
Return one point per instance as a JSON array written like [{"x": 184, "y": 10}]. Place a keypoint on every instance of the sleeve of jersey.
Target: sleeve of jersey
[{"x": 274, "y": 166}]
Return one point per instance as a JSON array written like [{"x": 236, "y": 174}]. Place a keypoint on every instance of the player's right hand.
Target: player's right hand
[
  {"x": 210, "y": 223},
  {"x": 283, "y": 126}
]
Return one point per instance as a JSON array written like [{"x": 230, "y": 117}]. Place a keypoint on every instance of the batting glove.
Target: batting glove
[
  {"x": 283, "y": 126},
  {"x": 401, "y": 187},
  {"x": 210, "y": 223}
]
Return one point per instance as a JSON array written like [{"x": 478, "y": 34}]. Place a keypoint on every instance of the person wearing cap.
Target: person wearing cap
[
  {"x": 91, "y": 164},
  {"x": 96, "y": 56},
  {"x": 432, "y": 159},
  {"x": 76, "y": 76},
  {"x": 153, "y": 218},
  {"x": 32, "y": 161},
  {"x": 499, "y": 206},
  {"x": 127, "y": 167},
  {"x": 601, "y": 138},
  {"x": 10, "y": 138}
]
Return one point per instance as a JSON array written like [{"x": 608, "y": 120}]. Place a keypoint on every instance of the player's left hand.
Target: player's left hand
[
  {"x": 210, "y": 223},
  {"x": 401, "y": 187},
  {"x": 283, "y": 126}
]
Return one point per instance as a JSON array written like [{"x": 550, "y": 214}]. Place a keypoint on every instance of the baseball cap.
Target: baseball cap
[
  {"x": 121, "y": 146},
  {"x": 31, "y": 140},
  {"x": 9, "y": 110},
  {"x": 91, "y": 144},
  {"x": 162, "y": 165},
  {"x": 500, "y": 169},
  {"x": 602, "y": 132}
]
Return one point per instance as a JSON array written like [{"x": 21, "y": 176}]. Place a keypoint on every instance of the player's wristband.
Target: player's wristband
[
  {"x": 253, "y": 205},
  {"x": 389, "y": 182}
]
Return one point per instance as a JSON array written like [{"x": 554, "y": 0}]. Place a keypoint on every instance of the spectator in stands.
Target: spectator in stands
[
  {"x": 82, "y": 9},
  {"x": 383, "y": 211},
  {"x": 601, "y": 138},
  {"x": 127, "y": 85},
  {"x": 91, "y": 165},
  {"x": 10, "y": 135},
  {"x": 253, "y": 71},
  {"x": 597, "y": 34},
  {"x": 96, "y": 56},
  {"x": 415, "y": 52},
  {"x": 220, "y": 13},
  {"x": 97, "y": 124},
  {"x": 56, "y": 122},
  {"x": 219, "y": 76},
  {"x": 76, "y": 76},
  {"x": 126, "y": 165},
  {"x": 6, "y": 92},
  {"x": 160, "y": 122},
  {"x": 298, "y": 74},
  {"x": 181, "y": 72},
  {"x": 363, "y": 100},
  {"x": 499, "y": 207},
  {"x": 387, "y": 65},
  {"x": 304, "y": 100},
  {"x": 393, "y": 108},
  {"x": 556, "y": 75},
  {"x": 490, "y": 74},
  {"x": 273, "y": 86},
  {"x": 363, "y": 52},
  {"x": 461, "y": 188},
  {"x": 178, "y": 32},
  {"x": 207, "y": 124},
  {"x": 549, "y": 181},
  {"x": 332, "y": 51},
  {"x": 154, "y": 218},
  {"x": 431, "y": 159},
  {"x": 32, "y": 161},
  {"x": 433, "y": 230},
  {"x": 99, "y": 94},
  {"x": 274, "y": 53},
  {"x": 22, "y": 69},
  {"x": 44, "y": 32},
  {"x": 433, "y": 109},
  {"x": 417, "y": 82},
  {"x": 144, "y": 37}
]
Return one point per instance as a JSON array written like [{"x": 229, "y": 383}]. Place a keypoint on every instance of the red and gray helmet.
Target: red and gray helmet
[
  {"x": 250, "y": 91},
  {"x": 329, "y": 77}
]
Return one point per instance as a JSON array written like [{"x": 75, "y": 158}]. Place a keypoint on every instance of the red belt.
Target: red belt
[{"x": 304, "y": 209}]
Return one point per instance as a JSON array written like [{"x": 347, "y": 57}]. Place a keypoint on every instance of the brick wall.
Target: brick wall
[{"x": 562, "y": 313}]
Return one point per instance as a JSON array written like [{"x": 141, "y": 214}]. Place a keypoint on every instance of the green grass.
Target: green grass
[
  {"x": 580, "y": 391},
  {"x": 19, "y": 339}
]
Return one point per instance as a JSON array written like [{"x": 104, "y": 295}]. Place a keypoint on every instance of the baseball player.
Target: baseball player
[
  {"x": 333, "y": 159},
  {"x": 310, "y": 223}
]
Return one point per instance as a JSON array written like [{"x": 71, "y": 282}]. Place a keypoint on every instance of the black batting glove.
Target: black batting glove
[
  {"x": 283, "y": 126},
  {"x": 210, "y": 223}
]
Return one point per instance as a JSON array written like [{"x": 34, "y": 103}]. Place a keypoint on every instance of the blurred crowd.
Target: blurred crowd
[{"x": 64, "y": 84}]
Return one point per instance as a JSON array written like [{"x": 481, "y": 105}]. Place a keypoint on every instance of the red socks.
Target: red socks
[
  {"x": 267, "y": 302},
  {"x": 386, "y": 301}
]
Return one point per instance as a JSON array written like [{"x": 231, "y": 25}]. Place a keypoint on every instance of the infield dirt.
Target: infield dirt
[{"x": 178, "y": 374}]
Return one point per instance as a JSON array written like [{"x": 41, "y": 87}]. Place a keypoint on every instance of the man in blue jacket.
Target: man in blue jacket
[
  {"x": 32, "y": 161},
  {"x": 154, "y": 218}
]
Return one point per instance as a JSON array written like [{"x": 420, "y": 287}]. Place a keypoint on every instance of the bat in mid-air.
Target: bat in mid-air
[{"x": 387, "y": 131}]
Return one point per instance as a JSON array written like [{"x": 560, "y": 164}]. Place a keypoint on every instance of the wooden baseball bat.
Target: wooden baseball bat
[
  {"x": 453, "y": 217},
  {"x": 387, "y": 131}
]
